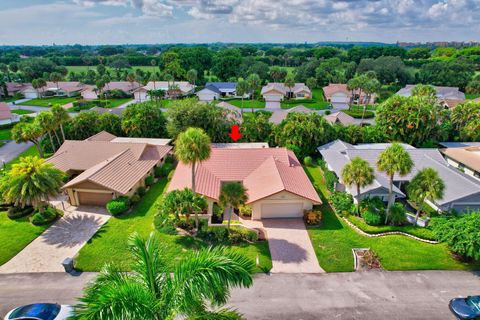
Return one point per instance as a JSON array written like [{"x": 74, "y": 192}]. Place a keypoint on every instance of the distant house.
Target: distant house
[
  {"x": 217, "y": 90},
  {"x": 101, "y": 110},
  {"x": 281, "y": 114},
  {"x": 171, "y": 89},
  {"x": 449, "y": 97},
  {"x": 345, "y": 119},
  {"x": 340, "y": 97},
  {"x": 464, "y": 156},
  {"x": 91, "y": 92},
  {"x": 25, "y": 89},
  {"x": 275, "y": 92},
  {"x": 234, "y": 112},
  {"x": 62, "y": 89},
  {"x": 6, "y": 116},
  {"x": 462, "y": 192}
]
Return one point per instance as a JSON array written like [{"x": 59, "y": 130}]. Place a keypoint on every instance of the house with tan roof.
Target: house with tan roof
[
  {"x": 277, "y": 186},
  {"x": 279, "y": 115},
  {"x": 275, "y": 92},
  {"x": 171, "y": 88},
  {"x": 449, "y": 97},
  {"x": 24, "y": 89},
  {"x": 62, "y": 89},
  {"x": 6, "y": 115},
  {"x": 465, "y": 156},
  {"x": 92, "y": 92},
  {"x": 104, "y": 167},
  {"x": 340, "y": 97}
]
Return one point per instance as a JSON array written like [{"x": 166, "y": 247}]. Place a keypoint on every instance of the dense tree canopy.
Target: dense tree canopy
[{"x": 144, "y": 120}]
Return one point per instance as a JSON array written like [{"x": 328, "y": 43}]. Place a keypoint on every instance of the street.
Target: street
[{"x": 370, "y": 295}]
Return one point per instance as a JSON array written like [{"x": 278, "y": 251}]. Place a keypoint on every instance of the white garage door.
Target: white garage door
[
  {"x": 30, "y": 94},
  {"x": 282, "y": 210}
]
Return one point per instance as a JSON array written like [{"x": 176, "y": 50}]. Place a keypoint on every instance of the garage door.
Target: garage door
[
  {"x": 94, "y": 199},
  {"x": 30, "y": 95},
  {"x": 282, "y": 210}
]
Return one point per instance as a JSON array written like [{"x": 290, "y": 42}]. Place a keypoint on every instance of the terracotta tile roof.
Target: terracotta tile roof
[
  {"x": 334, "y": 88},
  {"x": 263, "y": 171},
  {"x": 68, "y": 86},
  {"x": 13, "y": 87},
  {"x": 468, "y": 156},
  {"x": 101, "y": 136},
  {"x": 281, "y": 88},
  {"x": 5, "y": 112},
  {"x": 279, "y": 115}
]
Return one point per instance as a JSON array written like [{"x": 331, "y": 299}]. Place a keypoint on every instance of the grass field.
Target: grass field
[
  {"x": 317, "y": 102},
  {"x": 109, "y": 244},
  {"x": 8, "y": 99},
  {"x": 247, "y": 103},
  {"x": 333, "y": 241},
  {"x": 48, "y": 102},
  {"x": 22, "y": 111},
  {"x": 472, "y": 96},
  {"x": 78, "y": 69},
  {"x": 5, "y": 134}
]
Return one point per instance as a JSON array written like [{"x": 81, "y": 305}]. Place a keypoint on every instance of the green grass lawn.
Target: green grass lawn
[
  {"x": 247, "y": 103},
  {"x": 9, "y": 99},
  {"x": 109, "y": 244},
  {"x": 333, "y": 241},
  {"x": 472, "y": 96},
  {"x": 6, "y": 134},
  {"x": 47, "y": 102},
  {"x": 112, "y": 103},
  {"x": 317, "y": 102},
  {"x": 22, "y": 111},
  {"x": 16, "y": 235}
]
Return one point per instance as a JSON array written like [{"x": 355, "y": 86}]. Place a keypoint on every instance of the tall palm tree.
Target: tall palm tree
[
  {"x": 31, "y": 182},
  {"x": 233, "y": 195},
  {"x": 203, "y": 278},
  {"x": 426, "y": 185},
  {"x": 254, "y": 82},
  {"x": 191, "y": 147},
  {"x": 392, "y": 160},
  {"x": 46, "y": 120},
  {"x": 289, "y": 83},
  {"x": 55, "y": 77},
  {"x": 242, "y": 90},
  {"x": 27, "y": 131},
  {"x": 61, "y": 116},
  {"x": 359, "y": 173},
  {"x": 192, "y": 76},
  {"x": 131, "y": 78}
]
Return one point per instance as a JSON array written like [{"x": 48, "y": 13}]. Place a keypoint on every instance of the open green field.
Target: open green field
[
  {"x": 78, "y": 69},
  {"x": 5, "y": 134},
  {"x": 317, "y": 102},
  {"x": 333, "y": 241},
  {"x": 109, "y": 244},
  {"x": 22, "y": 111},
  {"x": 48, "y": 102}
]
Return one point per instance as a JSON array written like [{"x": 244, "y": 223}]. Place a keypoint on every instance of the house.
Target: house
[
  {"x": 217, "y": 90},
  {"x": 6, "y": 116},
  {"x": 91, "y": 92},
  {"x": 277, "y": 186},
  {"x": 340, "y": 97},
  {"x": 104, "y": 166},
  {"x": 449, "y": 97},
  {"x": 464, "y": 156},
  {"x": 275, "y": 92},
  {"x": 62, "y": 89},
  {"x": 280, "y": 115},
  {"x": 345, "y": 119},
  {"x": 234, "y": 112},
  {"x": 24, "y": 89},
  {"x": 172, "y": 89},
  {"x": 462, "y": 192}
]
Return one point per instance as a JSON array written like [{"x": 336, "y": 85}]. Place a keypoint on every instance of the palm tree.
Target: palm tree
[
  {"x": 370, "y": 87},
  {"x": 31, "y": 181},
  {"x": 131, "y": 78},
  {"x": 289, "y": 83},
  {"x": 393, "y": 159},
  {"x": 61, "y": 116},
  {"x": 192, "y": 76},
  {"x": 27, "y": 131},
  {"x": 46, "y": 121},
  {"x": 242, "y": 90},
  {"x": 233, "y": 195},
  {"x": 192, "y": 146},
  {"x": 359, "y": 173},
  {"x": 55, "y": 77},
  {"x": 203, "y": 278},
  {"x": 253, "y": 83},
  {"x": 426, "y": 185}
]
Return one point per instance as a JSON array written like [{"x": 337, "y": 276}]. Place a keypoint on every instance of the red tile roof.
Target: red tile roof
[{"x": 5, "y": 112}]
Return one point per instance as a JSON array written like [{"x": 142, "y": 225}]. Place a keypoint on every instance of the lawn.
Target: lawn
[
  {"x": 6, "y": 134},
  {"x": 112, "y": 103},
  {"x": 48, "y": 102},
  {"x": 247, "y": 103},
  {"x": 317, "y": 102},
  {"x": 333, "y": 241},
  {"x": 22, "y": 111},
  {"x": 9, "y": 99},
  {"x": 109, "y": 244},
  {"x": 472, "y": 96}
]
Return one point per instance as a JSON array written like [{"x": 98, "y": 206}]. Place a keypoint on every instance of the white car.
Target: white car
[{"x": 41, "y": 311}]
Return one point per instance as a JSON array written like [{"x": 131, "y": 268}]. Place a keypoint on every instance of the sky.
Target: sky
[{"x": 44, "y": 22}]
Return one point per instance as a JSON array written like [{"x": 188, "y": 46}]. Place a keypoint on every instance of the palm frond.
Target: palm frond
[{"x": 222, "y": 314}]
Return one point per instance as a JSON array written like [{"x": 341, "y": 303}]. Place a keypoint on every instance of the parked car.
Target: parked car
[
  {"x": 41, "y": 311},
  {"x": 466, "y": 308}
]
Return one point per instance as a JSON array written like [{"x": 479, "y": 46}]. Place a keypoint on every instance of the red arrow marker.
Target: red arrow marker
[{"x": 235, "y": 134}]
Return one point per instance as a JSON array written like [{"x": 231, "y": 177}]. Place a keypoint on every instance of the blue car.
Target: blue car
[
  {"x": 466, "y": 308},
  {"x": 41, "y": 311}
]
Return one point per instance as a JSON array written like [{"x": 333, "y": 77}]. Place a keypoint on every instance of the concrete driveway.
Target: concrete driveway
[
  {"x": 11, "y": 150},
  {"x": 290, "y": 246},
  {"x": 62, "y": 240}
]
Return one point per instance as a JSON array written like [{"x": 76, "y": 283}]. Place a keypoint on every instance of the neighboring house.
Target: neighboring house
[
  {"x": 6, "y": 116},
  {"x": 449, "y": 97},
  {"x": 462, "y": 192},
  {"x": 91, "y": 92},
  {"x": 280, "y": 115},
  {"x": 234, "y": 112},
  {"x": 275, "y": 92},
  {"x": 463, "y": 155},
  {"x": 104, "y": 167},
  {"x": 340, "y": 97},
  {"x": 345, "y": 119},
  {"x": 276, "y": 184},
  {"x": 184, "y": 88},
  {"x": 62, "y": 89},
  {"x": 101, "y": 110},
  {"x": 24, "y": 89},
  {"x": 217, "y": 90}
]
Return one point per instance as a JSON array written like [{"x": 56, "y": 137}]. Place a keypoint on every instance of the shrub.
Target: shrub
[
  {"x": 164, "y": 223},
  {"x": 396, "y": 215},
  {"x": 157, "y": 171},
  {"x": 141, "y": 191},
  {"x": 327, "y": 112},
  {"x": 118, "y": 206},
  {"x": 213, "y": 234},
  {"x": 149, "y": 181},
  {"x": 312, "y": 217},
  {"x": 18, "y": 212},
  {"x": 330, "y": 180},
  {"x": 308, "y": 161},
  {"x": 184, "y": 224},
  {"x": 222, "y": 235},
  {"x": 372, "y": 218},
  {"x": 342, "y": 202},
  {"x": 170, "y": 175},
  {"x": 359, "y": 113},
  {"x": 166, "y": 169},
  {"x": 169, "y": 159},
  {"x": 135, "y": 199},
  {"x": 245, "y": 234},
  {"x": 246, "y": 211},
  {"x": 48, "y": 215}
]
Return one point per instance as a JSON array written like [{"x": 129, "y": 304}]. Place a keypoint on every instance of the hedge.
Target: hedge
[{"x": 48, "y": 215}]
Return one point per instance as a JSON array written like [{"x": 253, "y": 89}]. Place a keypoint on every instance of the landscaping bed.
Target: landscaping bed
[
  {"x": 88, "y": 104},
  {"x": 358, "y": 114}
]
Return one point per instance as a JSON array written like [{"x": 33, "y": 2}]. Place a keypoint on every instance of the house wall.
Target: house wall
[
  {"x": 141, "y": 96},
  {"x": 463, "y": 168},
  {"x": 278, "y": 198},
  {"x": 30, "y": 93},
  {"x": 89, "y": 95},
  {"x": 207, "y": 95}
]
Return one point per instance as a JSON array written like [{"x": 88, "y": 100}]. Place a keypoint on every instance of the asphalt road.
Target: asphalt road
[{"x": 374, "y": 295}]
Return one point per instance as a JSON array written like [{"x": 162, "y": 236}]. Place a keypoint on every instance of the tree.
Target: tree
[
  {"x": 253, "y": 83},
  {"x": 226, "y": 64},
  {"x": 278, "y": 74},
  {"x": 144, "y": 120},
  {"x": 425, "y": 185},
  {"x": 153, "y": 291},
  {"x": 455, "y": 73},
  {"x": 131, "y": 78},
  {"x": 192, "y": 147},
  {"x": 392, "y": 160},
  {"x": 387, "y": 68},
  {"x": 110, "y": 122},
  {"x": 242, "y": 89},
  {"x": 27, "y": 131},
  {"x": 257, "y": 127},
  {"x": 418, "y": 53},
  {"x": 471, "y": 131},
  {"x": 31, "y": 181},
  {"x": 39, "y": 84},
  {"x": 46, "y": 121},
  {"x": 55, "y": 77},
  {"x": 82, "y": 126},
  {"x": 359, "y": 173},
  {"x": 311, "y": 83},
  {"x": 192, "y": 76},
  {"x": 289, "y": 83},
  {"x": 233, "y": 195},
  {"x": 61, "y": 117}
]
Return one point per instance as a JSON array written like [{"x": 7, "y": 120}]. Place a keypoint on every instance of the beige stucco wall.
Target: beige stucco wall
[{"x": 278, "y": 198}]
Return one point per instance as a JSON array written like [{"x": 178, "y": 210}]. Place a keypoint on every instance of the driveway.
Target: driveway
[
  {"x": 290, "y": 247},
  {"x": 11, "y": 150},
  {"x": 62, "y": 240}
]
